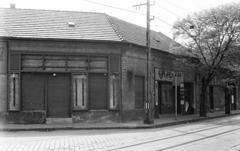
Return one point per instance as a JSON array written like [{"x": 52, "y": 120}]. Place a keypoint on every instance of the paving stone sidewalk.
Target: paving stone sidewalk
[
  {"x": 102, "y": 141},
  {"x": 161, "y": 122}
]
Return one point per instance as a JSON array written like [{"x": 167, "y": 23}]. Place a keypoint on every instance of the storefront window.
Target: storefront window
[
  {"x": 167, "y": 99},
  {"x": 79, "y": 85},
  {"x": 114, "y": 91},
  {"x": 14, "y": 100}
]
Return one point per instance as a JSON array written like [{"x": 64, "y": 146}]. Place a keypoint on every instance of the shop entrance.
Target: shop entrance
[
  {"x": 188, "y": 93},
  {"x": 46, "y": 91},
  {"x": 234, "y": 99},
  {"x": 58, "y": 95},
  {"x": 166, "y": 98},
  {"x": 166, "y": 102}
]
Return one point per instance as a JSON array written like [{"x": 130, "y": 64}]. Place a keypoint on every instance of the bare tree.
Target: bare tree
[{"x": 210, "y": 36}]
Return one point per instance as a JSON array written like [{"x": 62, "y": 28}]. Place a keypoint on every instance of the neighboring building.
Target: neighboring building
[{"x": 85, "y": 67}]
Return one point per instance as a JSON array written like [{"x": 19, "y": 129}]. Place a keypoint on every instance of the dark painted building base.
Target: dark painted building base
[
  {"x": 95, "y": 116},
  {"x": 132, "y": 115},
  {"x": 92, "y": 116},
  {"x": 35, "y": 117}
]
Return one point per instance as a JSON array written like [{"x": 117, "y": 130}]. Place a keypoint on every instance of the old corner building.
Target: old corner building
[{"x": 87, "y": 67}]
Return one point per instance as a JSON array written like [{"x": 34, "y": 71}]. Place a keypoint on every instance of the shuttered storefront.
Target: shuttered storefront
[
  {"x": 98, "y": 91},
  {"x": 58, "y": 95},
  {"x": 38, "y": 88},
  {"x": 51, "y": 82},
  {"x": 32, "y": 91}
]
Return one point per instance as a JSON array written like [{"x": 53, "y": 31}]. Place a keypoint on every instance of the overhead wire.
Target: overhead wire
[
  {"x": 125, "y": 10},
  {"x": 167, "y": 10},
  {"x": 163, "y": 21},
  {"x": 114, "y": 7},
  {"x": 177, "y": 6}
]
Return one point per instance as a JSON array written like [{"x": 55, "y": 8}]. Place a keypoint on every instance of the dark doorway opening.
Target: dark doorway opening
[
  {"x": 188, "y": 94},
  {"x": 234, "y": 99},
  {"x": 178, "y": 99},
  {"x": 58, "y": 95},
  {"x": 211, "y": 97},
  {"x": 165, "y": 95}
]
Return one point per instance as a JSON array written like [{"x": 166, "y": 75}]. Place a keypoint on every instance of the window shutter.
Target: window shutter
[
  {"x": 14, "y": 61},
  {"x": 139, "y": 92},
  {"x": 114, "y": 63},
  {"x": 98, "y": 95}
]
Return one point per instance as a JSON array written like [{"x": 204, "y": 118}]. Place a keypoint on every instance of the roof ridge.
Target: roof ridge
[
  {"x": 51, "y": 10},
  {"x": 126, "y": 21},
  {"x": 114, "y": 27},
  {"x": 156, "y": 32}
]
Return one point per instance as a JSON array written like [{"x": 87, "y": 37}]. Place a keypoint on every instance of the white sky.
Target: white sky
[{"x": 163, "y": 9}]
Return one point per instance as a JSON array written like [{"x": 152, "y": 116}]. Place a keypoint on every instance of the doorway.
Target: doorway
[
  {"x": 188, "y": 94},
  {"x": 211, "y": 97},
  {"x": 166, "y": 103},
  {"x": 46, "y": 91},
  {"x": 58, "y": 95}
]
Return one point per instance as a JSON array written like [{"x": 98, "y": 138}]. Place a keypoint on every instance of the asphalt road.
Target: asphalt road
[{"x": 219, "y": 134}]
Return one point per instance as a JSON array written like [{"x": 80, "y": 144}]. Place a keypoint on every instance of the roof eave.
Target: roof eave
[{"x": 58, "y": 39}]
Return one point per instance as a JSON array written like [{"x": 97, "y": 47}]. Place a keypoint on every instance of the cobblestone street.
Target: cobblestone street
[{"x": 96, "y": 139}]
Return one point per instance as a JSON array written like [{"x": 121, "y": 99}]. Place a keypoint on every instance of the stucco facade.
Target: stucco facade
[{"x": 92, "y": 71}]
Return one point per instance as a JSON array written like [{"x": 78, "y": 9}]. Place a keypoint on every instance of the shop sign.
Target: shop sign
[{"x": 166, "y": 75}]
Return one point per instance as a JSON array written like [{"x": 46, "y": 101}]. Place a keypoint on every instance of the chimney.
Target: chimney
[{"x": 12, "y": 6}]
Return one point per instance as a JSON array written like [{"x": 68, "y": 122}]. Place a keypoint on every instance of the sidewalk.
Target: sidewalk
[{"x": 161, "y": 122}]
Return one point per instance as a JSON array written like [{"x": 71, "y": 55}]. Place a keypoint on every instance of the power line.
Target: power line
[
  {"x": 115, "y": 7},
  {"x": 163, "y": 21},
  {"x": 177, "y": 6},
  {"x": 125, "y": 10},
  {"x": 167, "y": 10}
]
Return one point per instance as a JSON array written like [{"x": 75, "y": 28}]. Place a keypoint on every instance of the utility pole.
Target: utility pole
[{"x": 148, "y": 119}]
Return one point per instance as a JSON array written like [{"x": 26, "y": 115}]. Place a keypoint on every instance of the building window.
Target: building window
[
  {"x": 79, "y": 85},
  {"x": 14, "y": 99},
  {"x": 139, "y": 92},
  {"x": 114, "y": 91},
  {"x": 44, "y": 62}
]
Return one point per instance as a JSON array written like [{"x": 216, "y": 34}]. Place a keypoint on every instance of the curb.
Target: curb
[{"x": 119, "y": 127}]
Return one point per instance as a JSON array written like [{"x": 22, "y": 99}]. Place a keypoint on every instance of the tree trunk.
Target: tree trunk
[{"x": 203, "y": 107}]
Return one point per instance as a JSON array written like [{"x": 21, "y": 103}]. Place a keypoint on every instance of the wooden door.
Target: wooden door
[{"x": 58, "y": 95}]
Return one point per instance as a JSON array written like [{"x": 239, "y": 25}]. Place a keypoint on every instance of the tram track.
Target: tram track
[
  {"x": 198, "y": 140},
  {"x": 181, "y": 135}
]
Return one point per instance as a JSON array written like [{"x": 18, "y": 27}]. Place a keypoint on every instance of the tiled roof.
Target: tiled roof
[
  {"x": 137, "y": 35},
  {"x": 47, "y": 24},
  {"x": 30, "y": 23}
]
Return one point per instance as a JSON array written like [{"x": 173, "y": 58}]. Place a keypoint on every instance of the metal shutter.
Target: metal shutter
[
  {"x": 98, "y": 91},
  {"x": 139, "y": 92},
  {"x": 32, "y": 91},
  {"x": 58, "y": 95}
]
